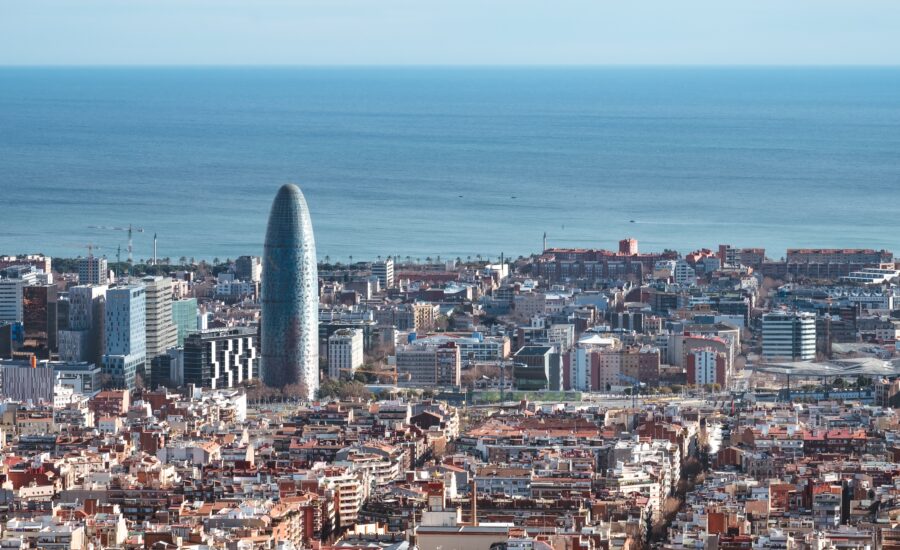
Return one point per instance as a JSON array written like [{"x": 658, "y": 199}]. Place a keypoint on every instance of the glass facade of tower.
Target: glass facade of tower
[{"x": 290, "y": 297}]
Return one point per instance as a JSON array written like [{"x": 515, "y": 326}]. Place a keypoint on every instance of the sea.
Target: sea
[{"x": 428, "y": 162}]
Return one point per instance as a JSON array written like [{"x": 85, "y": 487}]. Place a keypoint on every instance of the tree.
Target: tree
[
  {"x": 665, "y": 390},
  {"x": 677, "y": 388},
  {"x": 838, "y": 382}
]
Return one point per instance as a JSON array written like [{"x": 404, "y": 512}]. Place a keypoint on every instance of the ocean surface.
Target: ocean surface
[{"x": 449, "y": 162}]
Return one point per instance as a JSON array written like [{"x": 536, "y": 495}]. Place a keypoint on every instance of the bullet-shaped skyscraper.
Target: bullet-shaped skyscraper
[{"x": 289, "y": 328}]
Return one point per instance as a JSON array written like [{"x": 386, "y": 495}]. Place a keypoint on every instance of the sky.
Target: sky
[{"x": 449, "y": 32}]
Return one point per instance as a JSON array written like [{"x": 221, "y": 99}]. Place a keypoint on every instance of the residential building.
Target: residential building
[
  {"x": 93, "y": 270},
  {"x": 384, "y": 270},
  {"x": 248, "y": 268},
  {"x": 706, "y": 366},
  {"x": 221, "y": 358},
  {"x": 428, "y": 366},
  {"x": 161, "y": 331}
]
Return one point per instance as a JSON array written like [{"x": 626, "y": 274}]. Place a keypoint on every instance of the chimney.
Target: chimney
[{"x": 474, "y": 503}]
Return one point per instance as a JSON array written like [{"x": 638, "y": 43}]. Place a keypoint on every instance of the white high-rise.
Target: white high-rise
[
  {"x": 345, "y": 352},
  {"x": 12, "y": 282},
  {"x": 162, "y": 333},
  {"x": 789, "y": 335},
  {"x": 384, "y": 270}
]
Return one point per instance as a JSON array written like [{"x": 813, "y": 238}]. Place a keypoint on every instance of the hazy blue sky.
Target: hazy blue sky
[{"x": 449, "y": 32}]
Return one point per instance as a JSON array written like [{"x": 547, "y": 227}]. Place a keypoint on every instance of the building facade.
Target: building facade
[
  {"x": 186, "y": 316},
  {"x": 789, "y": 335},
  {"x": 93, "y": 270},
  {"x": 161, "y": 331},
  {"x": 221, "y": 358},
  {"x": 125, "y": 335},
  {"x": 384, "y": 270},
  {"x": 345, "y": 352},
  {"x": 428, "y": 366}
]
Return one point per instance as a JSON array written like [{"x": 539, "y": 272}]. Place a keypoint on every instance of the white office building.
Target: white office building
[
  {"x": 162, "y": 333},
  {"x": 345, "y": 352},
  {"x": 385, "y": 272},
  {"x": 12, "y": 281},
  {"x": 789, "y": 335}
]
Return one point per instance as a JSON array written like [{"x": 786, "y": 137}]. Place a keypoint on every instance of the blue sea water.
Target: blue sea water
[{"x": 426, "y": 161}]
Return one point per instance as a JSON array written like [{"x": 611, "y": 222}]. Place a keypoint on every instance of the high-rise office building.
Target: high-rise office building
[
  {"x": 39, "y": 320},
  {"x": 345, "y": 352},
  {"x": 248, "y": 268},
  {"x": 789, "y": 335},
  {"x": 125, "y": 319},
  {"x": 83, "y": 339},
  {"x": 93, "y": 270},
  {"x": 384, "y": 270},
  {"x": 290, "y": 296},
  {"x": 186, "y": 316},
  {"x": 221, "y": 358},
  {"x": 12, "y": 282},
  {"x": 161, "y": 331}
]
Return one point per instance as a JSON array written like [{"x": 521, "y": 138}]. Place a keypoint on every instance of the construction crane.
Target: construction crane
[{"x": 130, "y": 229}]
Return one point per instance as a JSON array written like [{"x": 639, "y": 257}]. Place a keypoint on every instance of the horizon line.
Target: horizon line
[{"x": 449, "y": 65}]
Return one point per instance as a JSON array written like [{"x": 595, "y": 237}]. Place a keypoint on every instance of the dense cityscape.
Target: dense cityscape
[{"x": 575, "y": 399}]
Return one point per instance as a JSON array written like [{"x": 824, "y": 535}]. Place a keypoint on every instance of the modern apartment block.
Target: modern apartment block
[
  {"x": 789, "y": 335},
  {"x": 161, "y": 331},
  {"x": 93, "y": 270},
  {"x": 706, "y": 366},
  {"x": 384, "y": 270},
  {"x": 221, "y": 358},
  {"x": 345, "y": 352}
]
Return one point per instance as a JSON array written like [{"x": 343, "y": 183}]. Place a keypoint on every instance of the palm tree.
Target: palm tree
[
  {"x": 216, "y": 260},
  {"x": 351, "y": 260},
  {"x": 182, "y": 260},
  {"x": 328, "y": 260}
]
